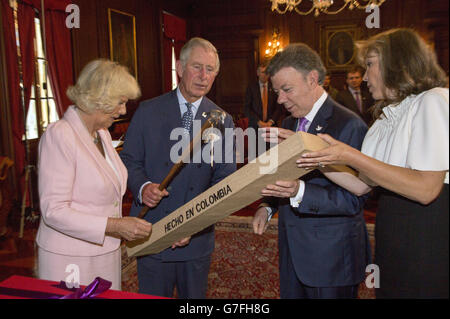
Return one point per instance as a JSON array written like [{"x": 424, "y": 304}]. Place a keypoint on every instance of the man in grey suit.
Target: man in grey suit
[
  {"x": 323, "y": 242},
  {"x": 148, "y": 155}
]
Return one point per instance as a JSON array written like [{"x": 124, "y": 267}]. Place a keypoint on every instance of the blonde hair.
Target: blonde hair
[
  {"x": 407, "y": 64},
  {"x": 101, "y": 85}
]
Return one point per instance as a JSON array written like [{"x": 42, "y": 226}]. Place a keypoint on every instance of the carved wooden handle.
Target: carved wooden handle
[{"x": 176, "y": 168}]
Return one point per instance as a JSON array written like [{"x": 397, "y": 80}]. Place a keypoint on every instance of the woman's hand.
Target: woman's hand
[
  {"x": 128, "y": 228},
  {"x": 337, "y": 153}
]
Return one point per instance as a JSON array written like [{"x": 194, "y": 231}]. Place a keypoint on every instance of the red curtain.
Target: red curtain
[
  {"x": 12, "y": 71},
  {"x": 59, "y": 56},
  {"x": 25, "y": 17},
  {"x": 174, "y": 35},
  {"x": 60, "y": 66},
  {"x": 59, "y": 49},
  {"x": 50, "y": 4}
]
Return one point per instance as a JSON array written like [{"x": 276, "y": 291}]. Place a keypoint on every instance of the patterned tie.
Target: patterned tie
[
  {"x": 358, "y": 101},
  {"x": 302, "y": 122},
  {"x": 188, "y": 116}
]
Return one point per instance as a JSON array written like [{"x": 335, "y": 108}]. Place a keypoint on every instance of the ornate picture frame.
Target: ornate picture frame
[
  {"x": 337, "y": 46},
  {"x": 122, "y": 39}
]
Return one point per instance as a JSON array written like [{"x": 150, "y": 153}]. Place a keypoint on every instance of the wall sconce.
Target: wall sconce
[{"x": 274, "y": 45}]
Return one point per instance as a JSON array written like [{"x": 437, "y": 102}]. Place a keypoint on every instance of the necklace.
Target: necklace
[{"x": 96, "y": 138}]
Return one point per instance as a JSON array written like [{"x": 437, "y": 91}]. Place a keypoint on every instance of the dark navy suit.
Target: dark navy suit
[
  {"x": 323, "y": 242},
  {"x": 146, "y": 154},
  {"x": 253, "y": 105},
  {"x": 347, "y": 99}
]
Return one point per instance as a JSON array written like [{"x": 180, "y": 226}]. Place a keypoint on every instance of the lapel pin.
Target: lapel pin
[
  {"x": 204, "y": 114},
  {"x": 319, "y": 128}
]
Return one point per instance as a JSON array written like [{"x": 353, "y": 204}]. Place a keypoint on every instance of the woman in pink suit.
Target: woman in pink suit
[{"x": 82, "y": 181}]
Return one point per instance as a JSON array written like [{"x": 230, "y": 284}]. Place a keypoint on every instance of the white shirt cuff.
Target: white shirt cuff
[
  {"x": 269, "y": 213},
  {"x": 296, "y": 200},
  {"x": 140, "y": 191}
]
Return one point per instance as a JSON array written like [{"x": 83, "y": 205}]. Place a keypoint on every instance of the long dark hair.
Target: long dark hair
[{"x": 407, "y": 64}]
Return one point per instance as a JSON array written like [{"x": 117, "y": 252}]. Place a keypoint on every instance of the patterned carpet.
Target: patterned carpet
[{"x": 243, "y": 266}]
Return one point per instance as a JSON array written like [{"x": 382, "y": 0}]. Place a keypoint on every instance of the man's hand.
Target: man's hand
[
  {"x": 263, "y": 124},
  {"x": 259, "y": 221},
  {"x": 282, "y": 189},
  {"x": 151, "y": 195},
  {"x": 182, "y": 242},
  {"x": 276, "y": 134}
]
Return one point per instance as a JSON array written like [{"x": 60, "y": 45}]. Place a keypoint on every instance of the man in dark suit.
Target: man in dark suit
[
  {"x": 323, "y": 243},
  {"x": 328, "y": 87},
  {"x": 148, "y": 153},
  {"x": 260, "y": 104},
  {"x": 356, "y": 97}
]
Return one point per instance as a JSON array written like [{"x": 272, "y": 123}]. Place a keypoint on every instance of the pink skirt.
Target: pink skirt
[{"x": 80, "y": 270}]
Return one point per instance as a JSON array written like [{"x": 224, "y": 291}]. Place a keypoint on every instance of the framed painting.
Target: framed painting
[
  {"x": 122, "y": 39},
  {"x": 338, "y": 46}
]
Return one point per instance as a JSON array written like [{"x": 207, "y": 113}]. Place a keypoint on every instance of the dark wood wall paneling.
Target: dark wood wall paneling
[
  {"x": 235, "y": 28},
  {"x": 393, "y": 13},
  {"x": 241, "y": 29},
  {"x": 91, "y": 40}
]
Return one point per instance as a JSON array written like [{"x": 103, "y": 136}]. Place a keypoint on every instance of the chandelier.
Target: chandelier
[
  {"x": 274, "y": 45},
  {"x": 282, "y": 6}
]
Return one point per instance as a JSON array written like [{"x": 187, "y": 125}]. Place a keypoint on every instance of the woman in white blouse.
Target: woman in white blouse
[{"x": 406, "y": 153}]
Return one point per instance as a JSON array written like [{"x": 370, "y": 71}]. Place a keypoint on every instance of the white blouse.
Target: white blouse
[{"x": 413, "y": 134}]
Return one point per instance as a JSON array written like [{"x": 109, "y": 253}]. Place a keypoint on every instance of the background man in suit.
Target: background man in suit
[
  {"x": 328, "y": 87},
  {"x": 322, "y": 236},
  {"x": 260, "y": 104},
  {"x": 146, "y": 154},
  {"x": 356, "y": 97}
]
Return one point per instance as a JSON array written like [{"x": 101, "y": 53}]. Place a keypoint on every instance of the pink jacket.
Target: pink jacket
[{"x": 78, "y": 189}]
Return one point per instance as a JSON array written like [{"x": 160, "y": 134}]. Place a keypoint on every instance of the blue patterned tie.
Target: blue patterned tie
[
  {"x": 302, "y": 124},
  {"x": 188, "y": 116}
]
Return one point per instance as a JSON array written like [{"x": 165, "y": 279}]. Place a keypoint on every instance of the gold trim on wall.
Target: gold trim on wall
[{"x": 122, "y": 39}]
